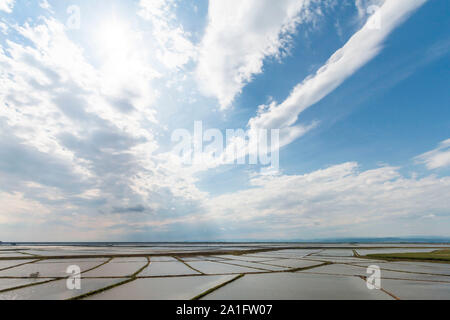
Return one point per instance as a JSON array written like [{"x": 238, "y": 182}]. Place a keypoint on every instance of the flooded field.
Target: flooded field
[
  {"x": 167, "y": 269},
  {"x": 183, "y": 288},
  {"x": 296, "y": 286},
  {"x": 260, "y": 271}
]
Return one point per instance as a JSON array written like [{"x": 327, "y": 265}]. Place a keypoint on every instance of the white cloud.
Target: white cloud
[
  {"x": 360, "y": 49},
  {"x": 340, "y": 196},
  {"x": 82, "y": 138},
  {"x": 45, "y": 5},
  {"x": 7, "y": 5},
  {"x": 175, "y": 49},
  {"x": 363, "y": 5},
  {"x": 17, "y": 209},
  {"x": 239, "y": 36},
  {"x": 437, "y": 158},
  {"x": 3, "y": 28}
]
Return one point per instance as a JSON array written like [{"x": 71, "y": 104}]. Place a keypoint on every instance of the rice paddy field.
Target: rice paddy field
[{"x": 224, "y": 271}]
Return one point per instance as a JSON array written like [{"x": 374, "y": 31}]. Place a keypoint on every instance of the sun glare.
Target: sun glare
[
  {"x": 114, "y": 37},
  {"x": 116, "y": 47}
]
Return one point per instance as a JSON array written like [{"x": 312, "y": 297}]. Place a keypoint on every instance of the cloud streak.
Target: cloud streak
[
  {"x": 363, "y": 46},
  {"x": 7, "y": 5},
  {"x": 340, "y": 197},
  {"x": 229, "y": 57},
  {"x": 175, "y": 48},
  {"x": 437, "y": 158}
]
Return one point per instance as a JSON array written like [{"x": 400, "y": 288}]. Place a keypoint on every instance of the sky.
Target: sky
[{"x": 95, "y": 98}]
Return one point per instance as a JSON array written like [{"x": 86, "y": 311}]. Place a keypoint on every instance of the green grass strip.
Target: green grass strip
[
  {"x": 101, "y": 264},
  {"x": 203, "y": 294},
  {"x": 187, "y": 265},
  {"x": 22, "y": 264},
  {"x": 239, "y": 265},
  {"x": 27, "y": 285},
  {"x": 80, "y": 297},
  {"x": 442, "y": 256},
  {"x": 132, "y": 278},
  {"x": 308, "y": 268},
  {"x": 134, "y": 275},
  {"x": 43, "y": 282}
]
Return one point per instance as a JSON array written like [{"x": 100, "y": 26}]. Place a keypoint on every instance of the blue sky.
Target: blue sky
[{"x": 92, "y": 92}]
